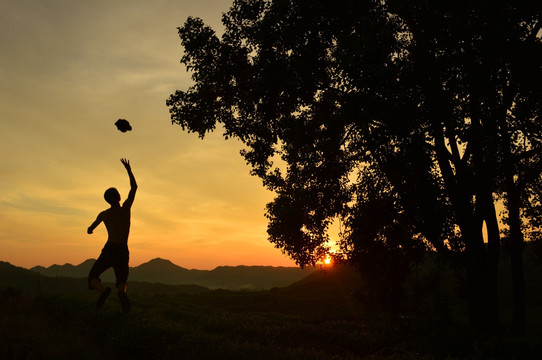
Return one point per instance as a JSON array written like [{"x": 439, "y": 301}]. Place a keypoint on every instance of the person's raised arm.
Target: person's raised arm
[{"x": 133, "y": 185}]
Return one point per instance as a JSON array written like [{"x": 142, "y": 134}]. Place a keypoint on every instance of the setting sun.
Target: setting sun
[{"x": 328, "y": 260}]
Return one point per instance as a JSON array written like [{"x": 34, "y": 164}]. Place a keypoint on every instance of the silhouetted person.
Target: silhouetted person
[{"x": 115, "y": 252}]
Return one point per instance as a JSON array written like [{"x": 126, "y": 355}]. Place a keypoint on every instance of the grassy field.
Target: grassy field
[{"x": 312, "y": 320}]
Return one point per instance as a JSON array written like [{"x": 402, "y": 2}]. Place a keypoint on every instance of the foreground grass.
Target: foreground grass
[{"x": 277, "y": 324}]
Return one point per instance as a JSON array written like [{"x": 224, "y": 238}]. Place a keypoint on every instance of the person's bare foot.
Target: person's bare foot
[{"x": 124, "y": 301}]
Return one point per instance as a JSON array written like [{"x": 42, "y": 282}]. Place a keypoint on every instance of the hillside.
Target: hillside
[
  {"x": 29, "y": 282},
  {"x": 314, "y": 318},
  {"x": 340, "y": 279},
  {"x": 165, "y": 272}
]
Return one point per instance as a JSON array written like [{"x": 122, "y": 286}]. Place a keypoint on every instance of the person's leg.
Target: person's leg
[
  {"x": 94, "y": 281},
  {"x": 124, "y": 301},
  {"x": 121, "y": 269}
]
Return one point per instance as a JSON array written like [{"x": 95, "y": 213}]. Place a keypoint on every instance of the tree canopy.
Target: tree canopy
[{"x": 407, "y": 120}]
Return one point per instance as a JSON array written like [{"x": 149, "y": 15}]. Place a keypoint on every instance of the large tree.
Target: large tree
[{"x": 405, "y": 119}]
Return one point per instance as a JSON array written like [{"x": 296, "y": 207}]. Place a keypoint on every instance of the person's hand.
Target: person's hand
[{"x": 126, "y": 163}]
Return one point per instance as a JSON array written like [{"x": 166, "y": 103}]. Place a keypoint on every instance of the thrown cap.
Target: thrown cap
[{"x": 123, "y": 125}]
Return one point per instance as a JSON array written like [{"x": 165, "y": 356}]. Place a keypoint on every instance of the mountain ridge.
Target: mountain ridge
[
  {"x": 15, "y": 279},
  {"x": 158, "y": 270}
]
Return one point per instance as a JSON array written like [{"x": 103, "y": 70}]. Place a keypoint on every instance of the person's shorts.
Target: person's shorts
[{"x": 115, "y": 256}]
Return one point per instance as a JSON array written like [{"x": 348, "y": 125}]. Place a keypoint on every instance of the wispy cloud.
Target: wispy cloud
[{"x": 32, "y": 204}]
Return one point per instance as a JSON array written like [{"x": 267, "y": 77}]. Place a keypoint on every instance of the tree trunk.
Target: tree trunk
[
  {"x": 492, "y": 261},
  {"x": 476, "y": 293},
  {"x": 513, "y": 198},
  {"x": 481, "y": 266},
  {"x": 481, "y": 283},
  {"x": 516, "y": 256}
]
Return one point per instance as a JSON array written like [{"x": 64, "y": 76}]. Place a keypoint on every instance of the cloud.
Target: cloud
[{"x": 51, "y": 206}]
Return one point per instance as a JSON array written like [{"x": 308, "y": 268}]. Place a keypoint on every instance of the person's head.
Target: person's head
[{"x": 112, "y": 196}]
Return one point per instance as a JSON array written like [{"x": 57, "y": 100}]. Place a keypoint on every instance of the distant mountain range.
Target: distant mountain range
[
  {"x": 165, "y": 272},
  {"x": 14, "y": 279}
]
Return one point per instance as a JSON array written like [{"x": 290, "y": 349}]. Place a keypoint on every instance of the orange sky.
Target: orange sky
[{"x": 69, "y": 70}]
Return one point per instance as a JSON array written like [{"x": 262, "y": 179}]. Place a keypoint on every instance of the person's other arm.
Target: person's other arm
[
  {"x": 94, "y": 224},
  {"x": 133, "y": 185}
]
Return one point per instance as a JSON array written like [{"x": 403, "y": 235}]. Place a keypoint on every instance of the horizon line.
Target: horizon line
[{"x": 159, "y": 258}]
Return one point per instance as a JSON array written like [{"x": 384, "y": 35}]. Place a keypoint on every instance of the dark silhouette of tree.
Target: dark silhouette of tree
[{"x": 407, "y": 120}]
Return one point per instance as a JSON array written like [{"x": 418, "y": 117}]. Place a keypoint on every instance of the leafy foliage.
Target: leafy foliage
[{"x": 408, "y": 93}]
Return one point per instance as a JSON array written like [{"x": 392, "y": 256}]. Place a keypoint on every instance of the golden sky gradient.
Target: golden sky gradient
[{"x": 69, "y": 69}]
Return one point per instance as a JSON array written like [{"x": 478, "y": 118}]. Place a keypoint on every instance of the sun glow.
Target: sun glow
[{"x": 328, "y": 260}]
